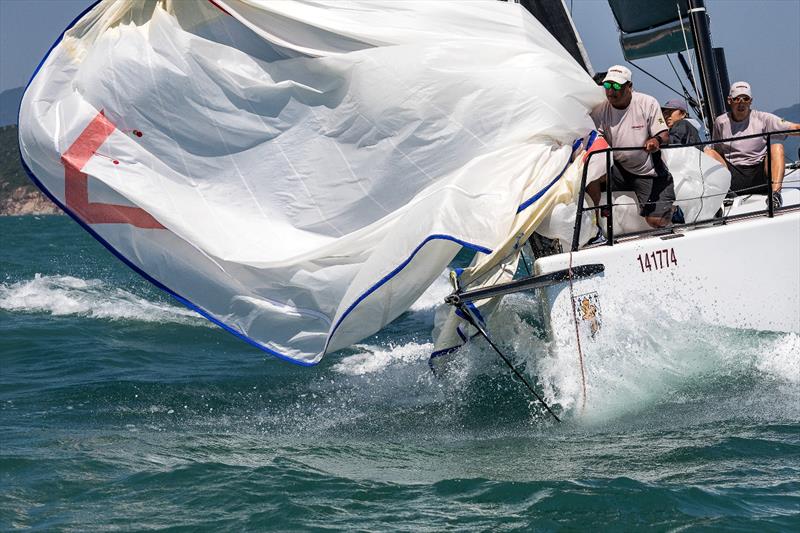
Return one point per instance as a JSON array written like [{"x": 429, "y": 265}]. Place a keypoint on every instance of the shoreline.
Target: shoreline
[{"x": 27, "y": 200}]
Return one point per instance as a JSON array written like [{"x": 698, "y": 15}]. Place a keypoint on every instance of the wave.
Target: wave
[{"x": 94, "y": 298}]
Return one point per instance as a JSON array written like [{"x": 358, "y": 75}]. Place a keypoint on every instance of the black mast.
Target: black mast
[
  {"x": 714, "y": 104},
  {"x": 555, "y": 17}
]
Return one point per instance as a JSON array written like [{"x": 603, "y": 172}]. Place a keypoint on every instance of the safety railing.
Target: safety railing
[{"x": 609, "y": 205}]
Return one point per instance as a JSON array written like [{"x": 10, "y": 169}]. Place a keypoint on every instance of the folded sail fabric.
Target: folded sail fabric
[{"x": 300, "y": 172}]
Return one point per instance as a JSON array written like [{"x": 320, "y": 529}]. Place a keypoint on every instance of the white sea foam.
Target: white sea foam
[
  {"x": 374, "y": 359},
  {"x": 435, "y": 294},
  {"x": 67, "y": 295},
  {"x": 630, "y": 364},
  {"x": 780, "y": 358}
]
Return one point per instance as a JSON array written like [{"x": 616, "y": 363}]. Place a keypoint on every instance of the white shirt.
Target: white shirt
[{"x": 629, "y": 127}]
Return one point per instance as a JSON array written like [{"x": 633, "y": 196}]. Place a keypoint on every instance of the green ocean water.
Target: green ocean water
[{"x": 122, "y": 410}]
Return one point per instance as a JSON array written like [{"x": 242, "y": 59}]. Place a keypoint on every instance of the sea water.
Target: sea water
[{"x": 121, "y": 409}]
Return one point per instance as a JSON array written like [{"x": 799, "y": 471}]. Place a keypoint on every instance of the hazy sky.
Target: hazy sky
[{"x": 761, "y": 39}]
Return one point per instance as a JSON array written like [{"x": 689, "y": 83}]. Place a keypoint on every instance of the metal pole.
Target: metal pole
[
  {"x": 722, "y": 72},
  {"x": 770, "y": 208},
  {"x": 609, "y": 201},
  {"x": 714, "y": 103},
  {"x": 576, "y": 234}
]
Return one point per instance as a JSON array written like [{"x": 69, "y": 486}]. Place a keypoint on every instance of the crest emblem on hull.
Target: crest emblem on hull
[{"x": 587, "y": 307}]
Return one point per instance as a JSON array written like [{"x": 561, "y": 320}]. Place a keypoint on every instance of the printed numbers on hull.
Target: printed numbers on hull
[{"x": 657, "y": 260}]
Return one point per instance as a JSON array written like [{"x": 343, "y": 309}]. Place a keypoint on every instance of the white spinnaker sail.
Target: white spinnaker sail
[{"x": 300, "y": 172}]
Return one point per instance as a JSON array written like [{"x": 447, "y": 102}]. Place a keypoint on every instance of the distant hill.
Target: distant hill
[
  {"x": 18, "y": 195},
  {"x": 11, "y": 171},
  {"x": 789, "y": 113},
  {"x": 9, "y": 105}
]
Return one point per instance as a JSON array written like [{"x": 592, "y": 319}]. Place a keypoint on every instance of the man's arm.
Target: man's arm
[
  {"x": 658, "y": 125},
  {"x": 713, "y": 150},
  {"x": 654, "y": 143},
  {"x": 692, "y": 135},
  {"x": 776, "y": 123}
]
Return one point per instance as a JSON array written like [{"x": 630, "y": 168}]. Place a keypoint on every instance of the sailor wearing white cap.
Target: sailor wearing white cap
[
  {"x": 746, "y": 159},
  {"x": 628, "y": 118}
]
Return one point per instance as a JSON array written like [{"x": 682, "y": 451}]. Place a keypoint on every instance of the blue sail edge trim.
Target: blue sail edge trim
[
  {"x": 527, "y": 203},
  {"x": 397, "y": 269},
  {"x": 445, "y": 351}
]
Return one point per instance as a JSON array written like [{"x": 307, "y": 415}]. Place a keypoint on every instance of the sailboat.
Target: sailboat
[
  {"x": 734, "y": 263},
  {"x": 300, "y": 172}
]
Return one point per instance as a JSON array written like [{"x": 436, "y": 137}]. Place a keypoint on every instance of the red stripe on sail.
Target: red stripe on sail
[{"x": 76, "y": 183}]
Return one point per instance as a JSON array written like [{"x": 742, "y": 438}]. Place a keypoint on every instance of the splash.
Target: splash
[
  {"x": 637, "y": 368},
  {"x": 435, "y": 294},
  {"x": 780, "y": 358},
  {"x": 67, "y": 295},
  {"x": 650, "y": 358},
  {"x": 374, "y": 359}
]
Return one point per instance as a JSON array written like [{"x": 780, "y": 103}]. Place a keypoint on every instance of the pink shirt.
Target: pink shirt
[{"x": 747, "y": 152}]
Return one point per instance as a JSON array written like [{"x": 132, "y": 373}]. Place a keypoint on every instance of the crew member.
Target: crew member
[
  {"x": 628, "y": 118},
  {"x": 680, "y": 131},
  {"x": 747, "y": 158}
]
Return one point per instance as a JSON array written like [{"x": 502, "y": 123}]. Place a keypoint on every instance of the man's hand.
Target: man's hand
[{"x": 651, "y": 145}]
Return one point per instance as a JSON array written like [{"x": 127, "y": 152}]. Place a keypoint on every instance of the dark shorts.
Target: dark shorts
[
  {"x": 749, "y": 179},
  {"x": 656, "y": 194}
]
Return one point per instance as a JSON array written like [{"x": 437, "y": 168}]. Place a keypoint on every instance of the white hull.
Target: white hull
[{"x": 745, "y": 274}]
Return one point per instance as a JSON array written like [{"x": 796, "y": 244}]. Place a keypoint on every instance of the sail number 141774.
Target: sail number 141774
[{"x": 657, "y": 260}]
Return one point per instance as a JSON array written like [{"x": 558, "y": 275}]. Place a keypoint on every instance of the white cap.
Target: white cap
[
  {"x": 739, "y": 88},
  {"x": 619, "y": 74}
]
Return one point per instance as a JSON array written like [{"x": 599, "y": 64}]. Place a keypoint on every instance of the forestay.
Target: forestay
[{"x": 300, "y": 172}]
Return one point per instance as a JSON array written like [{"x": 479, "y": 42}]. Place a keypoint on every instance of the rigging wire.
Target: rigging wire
[
  {"x": 475, "y": 323},
  {"x": 691, "y": 67},
  {"x": 658, "y": 80},
  {"x": 686, "y": 94},
  {"x": 577, "y": 332}
]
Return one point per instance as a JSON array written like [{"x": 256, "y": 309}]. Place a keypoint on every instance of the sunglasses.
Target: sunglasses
[
  {"x": 741, "y": 99},
  {"x": 613, "y": 85}
]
